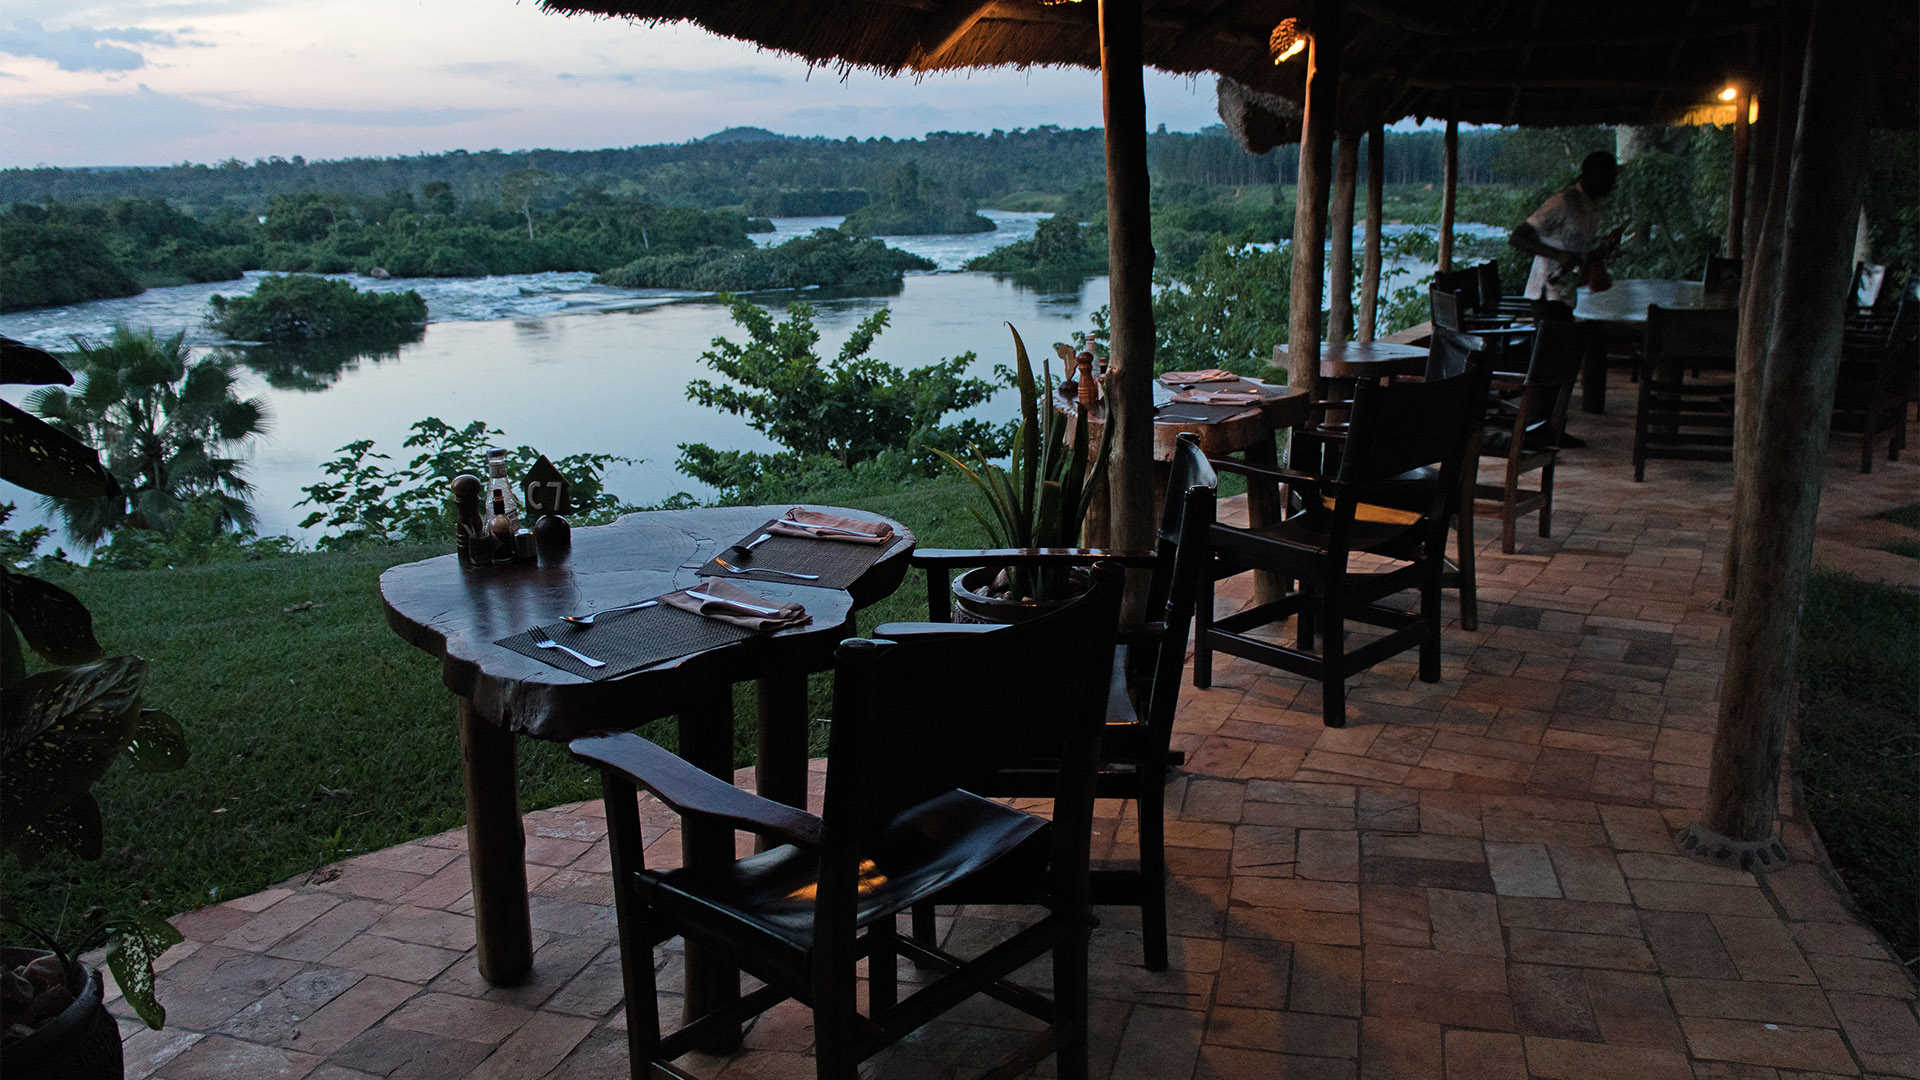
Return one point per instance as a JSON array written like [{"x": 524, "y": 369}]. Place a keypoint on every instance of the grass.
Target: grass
[
  {"x": 1858, "y": 757},
  {"x": 1909, "y": 548},
  {"x": 1903, "y": 515},
  {"x": 317, "y": 733}
]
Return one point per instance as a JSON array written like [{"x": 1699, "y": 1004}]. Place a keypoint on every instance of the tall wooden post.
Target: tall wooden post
[
  {"x": 1450, "y": 185},
  {"x": 1370, "y": 265},
  {"x": 1787, "y": 466},
  {"x": 1766, "y": 226},
  {"x": 1346, "y": 170},
  {"x": 1737, "y": 198},
  {"x": 1130, "y": 275},
  {"x": 1310, "y": 210}
]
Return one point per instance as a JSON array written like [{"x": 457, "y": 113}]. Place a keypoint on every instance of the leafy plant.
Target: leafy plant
[
  {"x": 1040, "y": 498},
  {"x": 372, "y": 502},
  {"x": 300, "y": 308},
  {"x": 61, "y": 728},
  {"x": 851, "y": 409},
  {"x": 164, "y": 423}
]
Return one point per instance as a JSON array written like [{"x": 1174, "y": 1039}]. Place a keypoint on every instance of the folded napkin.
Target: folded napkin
[
  {"x": 1188, "y": 378},
  {"x": 729, "y": 604},
  {"x": 1218, "y": 397},
  {"x": 818, "y": 526}
]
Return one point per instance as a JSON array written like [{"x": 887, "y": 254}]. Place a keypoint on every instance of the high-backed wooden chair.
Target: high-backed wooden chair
[
  {"x": 1397, "y": 427},
  {"x": 1720, "y": 274},
  {"x": 1686, "y": 388},
  {"x": 1525, "y": 432},
  {"x": 1144, "y": 687},
  {"x": 918, "y": 722},
  {"x": 1875, "y": 383}
]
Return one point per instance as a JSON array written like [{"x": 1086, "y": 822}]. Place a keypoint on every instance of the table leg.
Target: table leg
[
  {"x": 1263, "y": 509},
  {"x": 496, "y": 850},
  {"x": 706, "y": 740},
  {"x": 780, "y": 769},
  {"x": 1593, "y": 373}
]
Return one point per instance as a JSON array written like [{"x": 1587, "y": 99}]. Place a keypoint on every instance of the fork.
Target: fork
[
  {"x": 732, "y": 569},
  {"x": 587, "y": 619},
  {"x": 542, "y": 641}
]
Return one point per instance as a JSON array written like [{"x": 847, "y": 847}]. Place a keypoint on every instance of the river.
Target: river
[{"x": 564, "y": 365}]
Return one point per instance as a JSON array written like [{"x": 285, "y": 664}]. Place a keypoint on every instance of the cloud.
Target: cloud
[{"x": 83, "y": 48}]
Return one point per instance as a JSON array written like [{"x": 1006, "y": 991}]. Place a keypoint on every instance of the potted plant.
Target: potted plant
[
  {"x": 1038, "y": 499},
  {"x": 60, "y": 728}
]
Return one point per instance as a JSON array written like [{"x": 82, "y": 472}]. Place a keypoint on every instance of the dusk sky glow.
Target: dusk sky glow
[{"x": 119, "y": 82}]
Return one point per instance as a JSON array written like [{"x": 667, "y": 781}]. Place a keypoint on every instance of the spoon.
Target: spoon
[{"x": 587, "y": 619}]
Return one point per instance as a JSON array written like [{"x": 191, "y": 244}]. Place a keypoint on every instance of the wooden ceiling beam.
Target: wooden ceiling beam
[{"x": 1462, "y": 37}]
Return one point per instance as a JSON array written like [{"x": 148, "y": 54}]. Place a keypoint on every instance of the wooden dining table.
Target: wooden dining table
[
  {"x": 456, "y": 613},
  {"x": 1621, "y": 313}
]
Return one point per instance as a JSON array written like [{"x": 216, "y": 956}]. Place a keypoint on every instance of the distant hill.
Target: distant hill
[{"x": 743, "y": 134}]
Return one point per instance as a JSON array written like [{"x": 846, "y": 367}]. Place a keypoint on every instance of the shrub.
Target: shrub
[{"x": 286, "y": 308}]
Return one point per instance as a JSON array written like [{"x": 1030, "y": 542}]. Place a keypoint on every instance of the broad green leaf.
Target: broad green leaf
[
  {"x": 39, "y": 458},
  {"x": 54, "y": 621},
  {"x": 159, "y": 744},
  {"x": 62, "y": 729},
  {"x": 72, "y": 827},
  {"x": 135, "y": 945}
]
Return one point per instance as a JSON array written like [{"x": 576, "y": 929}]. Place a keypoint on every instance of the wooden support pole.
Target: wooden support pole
[
  {"x": 1130, "y": 275},
  {"x": 1758, "y": 271},
  {"x": 1310, "y": 210},
  {"x": 1449, "y": 192},
  {"x": 1786, "y": 467},
  {"x": 1737, "y": 198},
  {"x": 1370, "y": 265},
  {"x": 1346, "y": 172}
]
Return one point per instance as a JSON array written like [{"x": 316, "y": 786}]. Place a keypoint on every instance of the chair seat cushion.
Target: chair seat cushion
[
  {"x": 921, "y": 851},
  {"x": 1499, "y": 441}
]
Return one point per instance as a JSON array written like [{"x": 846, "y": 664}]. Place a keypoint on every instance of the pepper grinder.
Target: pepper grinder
[
  {"x": 468, "y": 531},
  {"x": 1084, "y": 363}
]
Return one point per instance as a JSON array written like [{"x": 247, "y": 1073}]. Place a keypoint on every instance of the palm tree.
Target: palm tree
[{"x": 164, "y": 425}]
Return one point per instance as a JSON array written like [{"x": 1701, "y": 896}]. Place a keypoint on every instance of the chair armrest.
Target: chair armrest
[
  {"x": 690, "y": 790},
  {"x": 1263, "y": 472},
  {"x": 937, "y": 558},
  {"x": 922, "y": 631}
]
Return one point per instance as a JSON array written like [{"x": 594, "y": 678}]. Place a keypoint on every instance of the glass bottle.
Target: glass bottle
[{"x": 501, "y": 498}]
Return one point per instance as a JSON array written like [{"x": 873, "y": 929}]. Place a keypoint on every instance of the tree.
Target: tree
[
  {"x": 164, "y": 425},
  {"x": 521, "y": 187}
]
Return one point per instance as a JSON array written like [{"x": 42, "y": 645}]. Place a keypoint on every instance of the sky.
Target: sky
[{"x": 158, "y": 82}]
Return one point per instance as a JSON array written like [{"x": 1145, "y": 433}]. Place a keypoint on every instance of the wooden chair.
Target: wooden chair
[
  {"x": 1396, "y": 427},
  {"x": 1875, "y": 383},
  {"x": 1144, "y": 687},
  {"x": 917, "y": 721},
  {"x": 1507, "y": 345},
  {"x": 1686, "y": 388},
  {"x": 1525, "y": 432},
  {"x": 1720, "y": 274},
  {"x": 1495, "y": 300}
]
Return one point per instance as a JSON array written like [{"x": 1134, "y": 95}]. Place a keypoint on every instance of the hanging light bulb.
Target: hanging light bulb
[{"x": 1289, "y": 39}]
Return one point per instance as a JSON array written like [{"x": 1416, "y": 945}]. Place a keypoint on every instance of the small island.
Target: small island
[
  {"x": 300, "y": 308},
  {"x": 827, "y": 257},
  {"x": 913, "y": 205}
]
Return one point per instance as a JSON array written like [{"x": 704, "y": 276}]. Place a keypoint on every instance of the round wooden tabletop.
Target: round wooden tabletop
[
  {"x": 1285, "y": 408},
  {"x": 1627, "y": 300},
  {"x": 1359, "y": 359},
  {"x": 456, "y": 613}
]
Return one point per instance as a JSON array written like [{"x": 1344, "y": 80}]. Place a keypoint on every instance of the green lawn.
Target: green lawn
[
  {"x": 1859, "y": 750},
  {"x": 316, "y": 732}
]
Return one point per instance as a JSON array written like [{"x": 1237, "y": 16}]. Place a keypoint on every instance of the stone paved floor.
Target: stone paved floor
[{"x": 1473, "y": 880}]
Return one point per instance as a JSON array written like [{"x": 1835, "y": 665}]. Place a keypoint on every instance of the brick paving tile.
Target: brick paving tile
[
  {"x": 1521, "y": 870},
  {"x": 1326, "y": 979},
  {"x": 277, "y": 1018},
  {"x": 1664, "y": 866},
  {"x": 146, "y": 1050},
  {"x": 1839, "y": 939},
  {"x": 1589, "y": 874},
  {"x": 414, "y": 858},
  {"x": 1762, "y": 949},
  {"x": 1465, "y": 922},
  {"x": 278, "y": 921},
  {"x": 1882, "y": 1030},
  {"x": 1427, "y": 967},
  {"x": 213, "y": 922},
  {"x": 1425, "y": 873},
  {"x": 1806, "y": 896},
  {"x": 535, "y": 1049},
  {"x": 1423, "y": 846},
  {"x": 1580, "y": 950},
  {"x": 395, "y": 959},
  {"x": 1394, "y": 915},
  {"x": 1283, "y": 1032},
  {"x": 224, "y": 982},
  {"x": 1288, "y": 924},
  {"x": 1553, "y": 1001},
  {"x": 1486, "y": 1055},
  {"x": 392, "y": 1052},
  {"x": 1704, "y": 899},
  {"x": 329, "y": 932},
  {"x": 1728, "y": 999},
  {"x": 1865, "y": 976},
  {"x": 1254, "y": 973},
  {"x": 1263, "y": 851},
  {"x": 1328, "y": 855},
  {"x": 1227, "y": 1063},
  {"x": 1632, "y": 1010},
  {"x": 1159, "y": 1043},
  {"x": 554, "y": 964},
  {"x": 218, "y": 1056},
  {"x": 359, "y": 879},
  {"x": 1562, "y": 1059},
  {"x": 1779, "y": 1045},
  {"x": 1493, "y": 1012},
  {"x": 1686, "y": 944},
  {"x": 1450, "y": 813}
]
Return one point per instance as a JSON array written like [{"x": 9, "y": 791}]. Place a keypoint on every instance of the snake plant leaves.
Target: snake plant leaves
[
  {"x": 54, "y": 621},
  {"x": 136, "y": 943},
  {"x": 22, "y": 363},
  {"x": 159, "y": 742},
  {"x": 62, "y": 729},
  {"x": 40, "y": 458}
]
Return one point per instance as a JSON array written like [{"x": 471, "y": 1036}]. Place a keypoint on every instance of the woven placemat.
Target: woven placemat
[
  {"x": 838, "y": 562},
  {"x": 628, "y": 640},
  {"x": 1200, "y": 414}
]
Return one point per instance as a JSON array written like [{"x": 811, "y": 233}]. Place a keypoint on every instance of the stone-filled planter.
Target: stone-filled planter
[
  {"x": 81, "y": 1042},
  {"x": 974, "y": 600}
]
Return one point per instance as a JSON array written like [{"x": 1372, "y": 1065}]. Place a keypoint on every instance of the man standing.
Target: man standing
[{"x": 1565, "y": 231}]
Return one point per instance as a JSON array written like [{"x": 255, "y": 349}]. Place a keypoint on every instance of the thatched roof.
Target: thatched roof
[{"x": 1478, "y": 61}]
